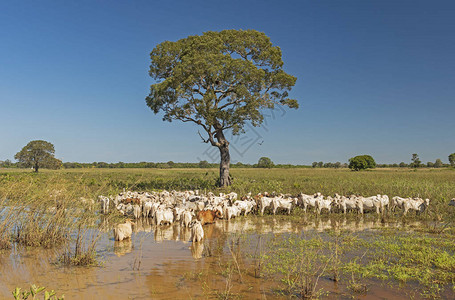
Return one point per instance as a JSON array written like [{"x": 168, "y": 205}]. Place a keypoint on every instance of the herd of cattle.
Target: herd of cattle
[{"x": 193, "y": 209}]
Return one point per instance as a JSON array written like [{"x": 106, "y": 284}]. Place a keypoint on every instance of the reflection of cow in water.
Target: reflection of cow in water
[
  {"x": 143, "y": 225},
  {"x": 196, "y": 250},
  {"x": 165, "y": 233},
  {"x": 185, "y": 234},
  {"x": 123, "y": 247}
]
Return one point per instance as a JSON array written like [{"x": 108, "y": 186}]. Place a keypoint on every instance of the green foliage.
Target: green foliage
[
  {"x": 438, "y": 163},
  {"x": 218, "y": 79},
  {"x": 452, "y": 159},
  {"x": 7, "y": 164},
  {"x": 204, "y": 164},
  {"x": 38, "y": 154},
  {"x": 33, "y": 292},
  {"x": 415, "y": 161},
  {"x": 428, "y": 260},
  {"x": 298, "y": 262},
  {"x": 361, "y": 162},
  {"x": 265, "y": 162}
]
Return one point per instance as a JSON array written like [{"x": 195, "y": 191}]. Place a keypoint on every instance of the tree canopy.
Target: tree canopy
[
  {"x": 452, "y": 159},
  {"x": 38, "y": 154},
  {"x": 219, "y": 81},
  {"x": 265, "y": 162},
  {"x": 361, "y": 162},
  {"x": 438, "y": 163},
  {"x": 415, "y": 161}
]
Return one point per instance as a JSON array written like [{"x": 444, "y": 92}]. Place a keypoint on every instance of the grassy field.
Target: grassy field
[
  {"x": 30, "y": 216},
  {"x": 26, "y": 188},
  {"x": 436, "y": 184}
]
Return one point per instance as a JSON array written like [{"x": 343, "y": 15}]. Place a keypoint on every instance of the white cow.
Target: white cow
[
  {"x": 322, "y": 203},
  {"x": 186, "y": 218},
  {"x": 384, "y": 199},
  {"x": 104, "y": 201},
  {"x": 347, "y": 203},
  {"x": 163, "y": 216},
  {"x": 123, "y": 231},
  {"x": 399, "y": 202},
  {"x": 308, "y": 200},
  {"x": 147, "y": 209},
  {"x": 177, "y": 213},
  {"x": 231, "y": 212},
  {"x": 370, "y": 203},
  {"x": 264, "y": 202},
  {"x": 244, "y": 206},
  {"x": 418, "y": 204},
  {"x": 282, "y": 203},
  {"x": 137, "y": 211},
  {"x": 197, "y": 232}
]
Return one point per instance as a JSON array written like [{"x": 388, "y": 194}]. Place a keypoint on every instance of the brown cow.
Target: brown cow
[
  {"x": 208, "y": 216},
  {"x": 132, "y": 201}
]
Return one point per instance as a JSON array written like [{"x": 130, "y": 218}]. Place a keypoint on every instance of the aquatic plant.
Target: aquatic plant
[{"x": 33, "y": 292}]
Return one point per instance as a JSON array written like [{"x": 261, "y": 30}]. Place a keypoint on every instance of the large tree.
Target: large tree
[
  {"x": 452, "y": 159},
  {"x": 265, "y": 162},
  {"x": 361, "y": 162},
  {"x": 38, "y": 154},
  {"x": 219, "y": 81},
  {"x": 415, "y": 161}
]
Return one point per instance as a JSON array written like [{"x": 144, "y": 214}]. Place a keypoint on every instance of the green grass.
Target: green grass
[{"x": 432, "y": 183}]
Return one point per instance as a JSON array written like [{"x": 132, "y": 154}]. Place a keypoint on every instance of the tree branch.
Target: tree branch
[
  {"x": 204, "y": 140},
  {"x": 206, "y": 127},
  {"x": 238, "y": 101}
]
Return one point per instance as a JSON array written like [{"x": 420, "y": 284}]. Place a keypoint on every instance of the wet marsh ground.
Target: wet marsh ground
[{"x": 43, "y": 220}]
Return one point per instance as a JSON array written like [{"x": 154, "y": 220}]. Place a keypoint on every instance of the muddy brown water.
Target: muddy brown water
[{"x": 160, "y": 263}]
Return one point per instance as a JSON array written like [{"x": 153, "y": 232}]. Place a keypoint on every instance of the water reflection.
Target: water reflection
[
  {"x": 123, "y": 247},
  {"x": 166, "y": 233},
  {"x": 263, "y": 225},
  {"x": 185, "y": 234},
  {"x": 197, "y": 249},
  {"x": 146, "y": 266},
  {"x": 142, "y": 225}
]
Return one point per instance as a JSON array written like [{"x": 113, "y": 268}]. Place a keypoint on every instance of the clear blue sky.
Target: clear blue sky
[{"x": 374, "y": 77}]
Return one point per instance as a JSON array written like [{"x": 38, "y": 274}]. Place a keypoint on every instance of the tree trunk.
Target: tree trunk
[
  {"x": 223, "y": 145},
  {"x": 225, "y": 180},
  {"x": 35, "y": 164}
]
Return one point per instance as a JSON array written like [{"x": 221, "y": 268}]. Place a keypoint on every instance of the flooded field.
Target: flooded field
[
  {"x": 160, "y": 263},
  {"x": 390, "y": 256}
]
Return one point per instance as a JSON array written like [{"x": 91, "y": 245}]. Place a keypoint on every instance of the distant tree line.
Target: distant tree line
[
  {"x": 39, "y": 154},
  {"x": 204, "y": 164},
  {"x": 335, "y": 165},
  {"x": 264, "y": 162},
  {"x": 153, "y": 165}
]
